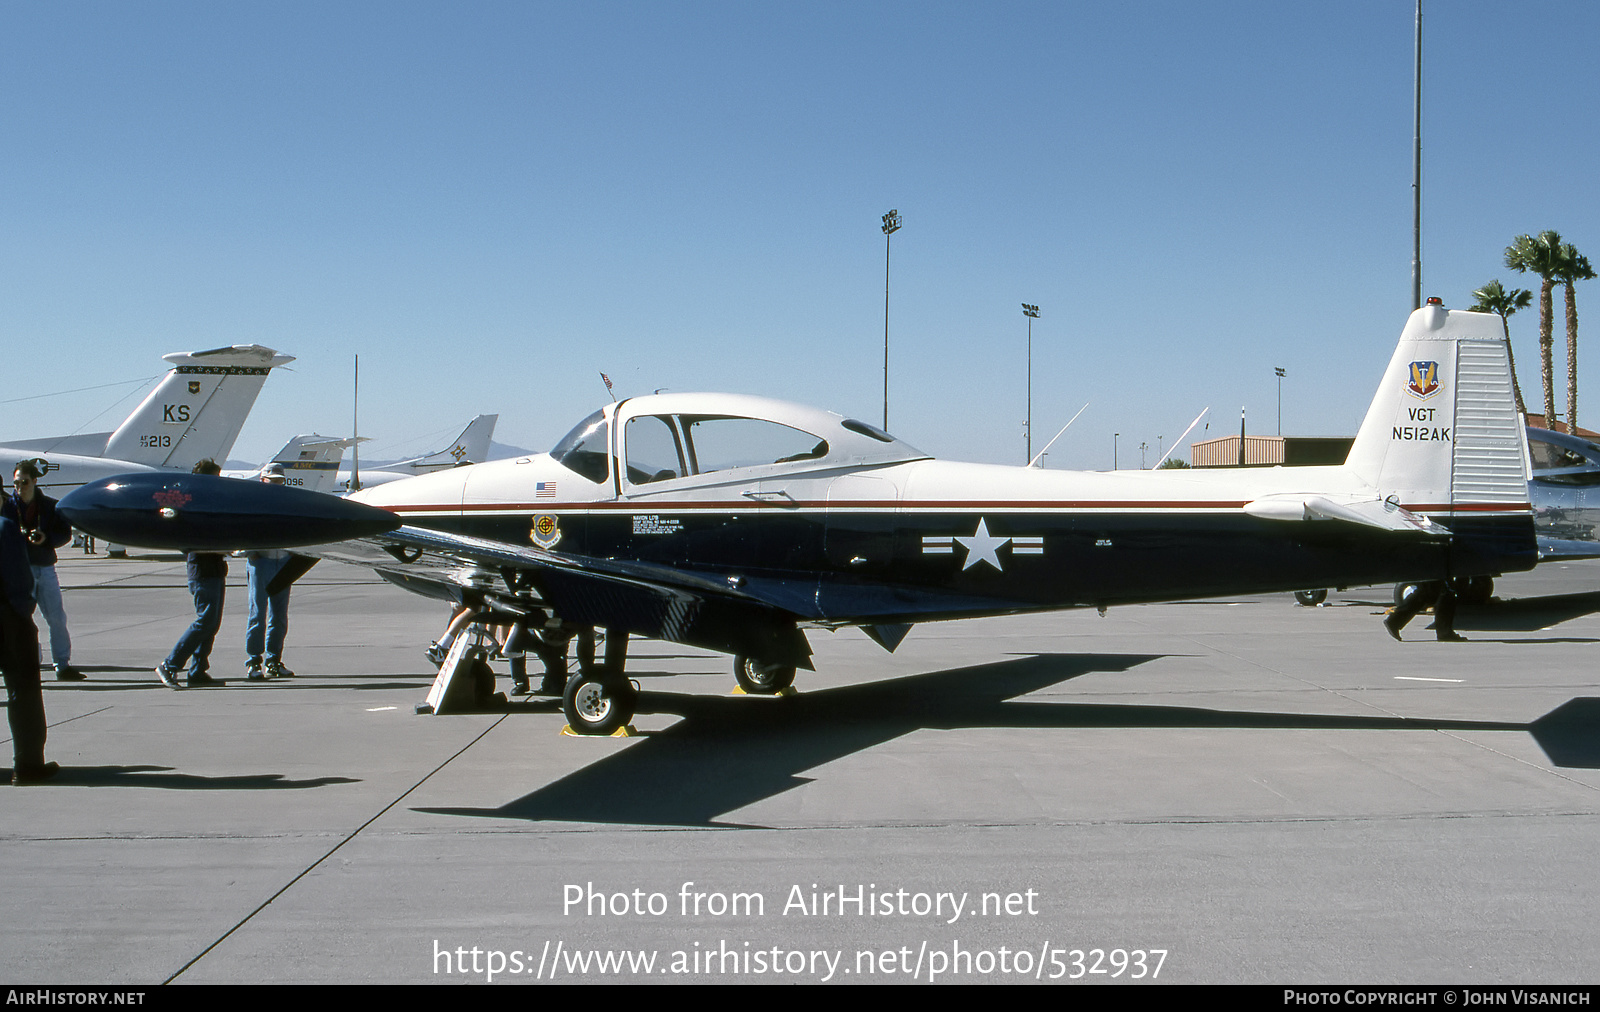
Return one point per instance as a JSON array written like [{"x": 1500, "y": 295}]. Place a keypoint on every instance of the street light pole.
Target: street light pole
[
  {"x": 1032, "y": 313},
  {"x": 1279, "y": 370},
  {"x": 891, "y": 225},
  {"x": 1416, "y": 171}
]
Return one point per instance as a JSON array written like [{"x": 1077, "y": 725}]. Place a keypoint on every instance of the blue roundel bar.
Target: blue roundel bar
[{"x": 198, "y": 512}]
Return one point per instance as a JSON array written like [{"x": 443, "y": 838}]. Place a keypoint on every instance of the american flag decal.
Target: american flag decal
[{"x": 545, "y": 490}]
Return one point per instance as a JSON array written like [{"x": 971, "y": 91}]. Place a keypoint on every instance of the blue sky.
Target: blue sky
[{"x": 491, "y": 203}]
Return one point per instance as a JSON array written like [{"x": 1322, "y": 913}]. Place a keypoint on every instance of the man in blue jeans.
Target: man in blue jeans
[
  {"x": 46, "y": 530},
  {"x": 207, "y": 574},
  {"x": 269, "y": 613}
]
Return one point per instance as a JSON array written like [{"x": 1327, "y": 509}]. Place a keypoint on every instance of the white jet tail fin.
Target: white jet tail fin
[
  {"x": 197, "y": 409},
  {"x": 312, "y": 461},
  {"x": 1443, "y": 433},
  {"x": 471, "y": 447}
]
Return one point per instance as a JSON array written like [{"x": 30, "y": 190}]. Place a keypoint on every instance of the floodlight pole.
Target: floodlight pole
[
  {"x": 1032, "y": 313},
  {"x": 891, "y": 225},
  {"x": 355, "y": 448},
  {"x": 1416, "y": 172},
  {"x": 1281, "y": 374}
]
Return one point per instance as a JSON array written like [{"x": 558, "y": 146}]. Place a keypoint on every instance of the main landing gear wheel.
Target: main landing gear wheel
[
  {"x": 1404, "y": 591},
  {"x": 1310, "y": 598},
  {"x": 599, "y": 707},
  {"x": 1473, "y": 589},
  {"x": 762, "y": 679}
]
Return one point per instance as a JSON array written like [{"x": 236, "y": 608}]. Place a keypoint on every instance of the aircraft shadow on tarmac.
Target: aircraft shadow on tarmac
[
  {"x": 1529, "y": 614},
  {"x": 163, "y": 777},
  {"x": 728, "y": 753}
]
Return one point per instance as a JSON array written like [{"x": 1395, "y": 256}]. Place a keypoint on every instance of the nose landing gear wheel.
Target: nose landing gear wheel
[
  {"x": 1310, "y": 598},
  {"x": 760, "y": 679},
  {"x": 592, "y": 706}
]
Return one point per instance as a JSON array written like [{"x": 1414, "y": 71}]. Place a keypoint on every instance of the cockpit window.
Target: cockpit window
[
  {"x": 584, "y": 449},
  {"x": 1549, "y": 455},
  {"x": 652, "y": 450},
  {"x": 719, "y": 443}
]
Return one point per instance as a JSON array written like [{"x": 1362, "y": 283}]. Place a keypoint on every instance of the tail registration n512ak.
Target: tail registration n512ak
[{"x": 734, "y": 523}]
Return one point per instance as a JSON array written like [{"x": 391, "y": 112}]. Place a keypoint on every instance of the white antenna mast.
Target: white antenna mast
[
  {"x": 1175, "y": 442},
  {"x": 1035, "y": 461}
]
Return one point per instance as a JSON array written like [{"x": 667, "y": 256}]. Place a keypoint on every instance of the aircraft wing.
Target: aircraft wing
[
  {"x": 191, "y": 512},
  {"x": 645, "y": 598}
]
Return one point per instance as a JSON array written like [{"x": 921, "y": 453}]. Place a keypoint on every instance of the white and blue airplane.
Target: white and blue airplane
[{"x": 736, "y": 523}]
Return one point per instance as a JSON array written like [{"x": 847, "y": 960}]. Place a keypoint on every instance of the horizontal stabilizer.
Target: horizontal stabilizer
[
  {"x": 1385, "y": 516},
  {"x": 1565, "y": 550}
]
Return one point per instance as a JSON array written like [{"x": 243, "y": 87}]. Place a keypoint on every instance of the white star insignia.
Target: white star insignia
[{"x": 983, "y": 547}]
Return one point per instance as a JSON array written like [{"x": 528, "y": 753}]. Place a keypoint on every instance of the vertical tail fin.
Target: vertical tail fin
[
  {"x": 1444, "y": 437},
  {"x": 312, "y": 461},
  {"x": 471, "y": 447},
  {"x": 1443, "y": 429},
  {"x": 197, "y": 410}
]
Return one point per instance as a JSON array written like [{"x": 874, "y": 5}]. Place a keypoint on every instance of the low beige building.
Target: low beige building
[{"x": 1270, "y": 451}]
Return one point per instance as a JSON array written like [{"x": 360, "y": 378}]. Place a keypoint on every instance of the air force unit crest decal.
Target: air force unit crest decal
[
  {"x": 545, "y": 531},
  {"x": 1423, "y": 380}
]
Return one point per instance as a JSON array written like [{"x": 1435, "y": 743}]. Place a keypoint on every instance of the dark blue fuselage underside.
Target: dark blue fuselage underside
[{"x": 883, "y": 566}]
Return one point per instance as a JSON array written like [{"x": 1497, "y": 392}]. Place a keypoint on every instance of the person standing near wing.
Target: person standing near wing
[
  {"x": 269, "y": 613},
  {"x": 46, "y": 530},
  {"x": 207, "y": 573},
  {"x": 19, "y": 660}
]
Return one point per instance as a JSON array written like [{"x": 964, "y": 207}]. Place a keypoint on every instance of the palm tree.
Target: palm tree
[
  {"x": 1493, "y": 298},
  {"x": 1541, "y": 256},
  {"x": 1573, "y": 267}
]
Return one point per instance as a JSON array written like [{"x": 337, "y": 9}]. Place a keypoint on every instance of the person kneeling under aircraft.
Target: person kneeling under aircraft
[
  {"x": 514, "y": 641},
  {"x": 520, "y": 641}
]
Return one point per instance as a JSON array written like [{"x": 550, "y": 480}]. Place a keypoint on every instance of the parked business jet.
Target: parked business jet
[
  {"x": 309, "y": 461},
  {"x": 471, "y": 447},
  {"x": 195, "y": 412}
]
